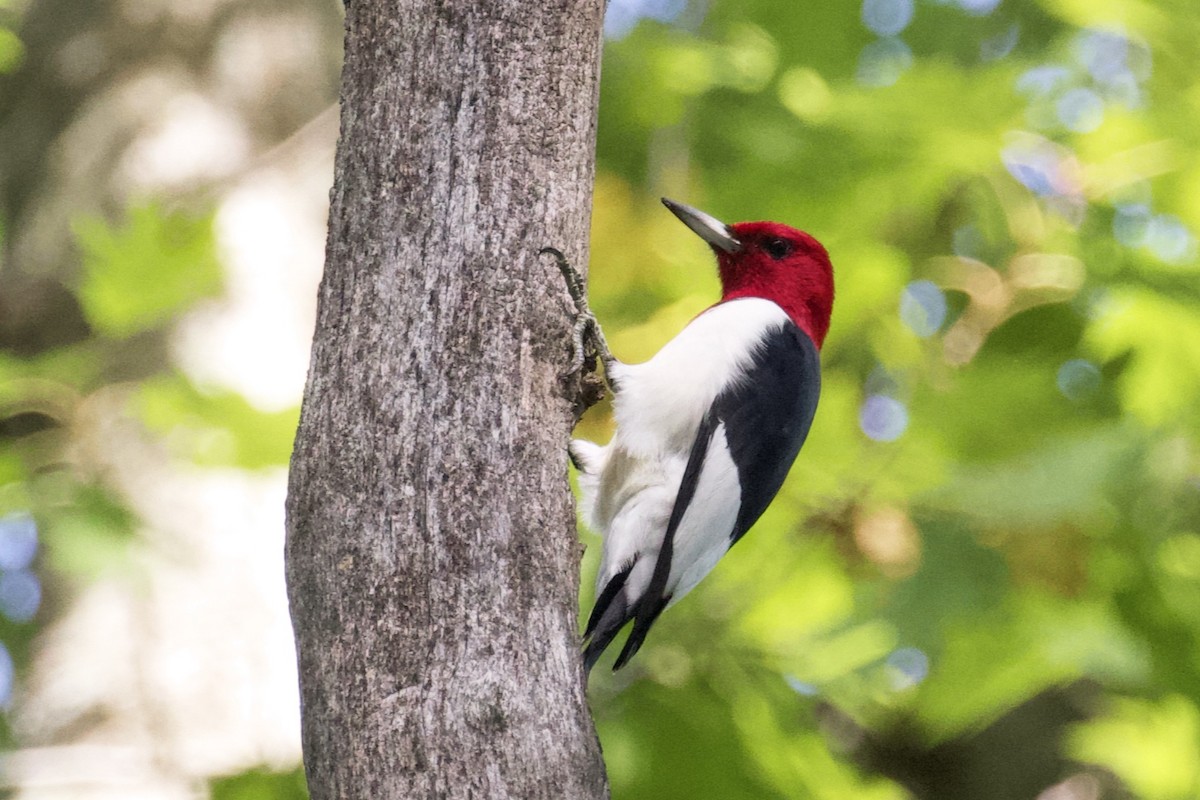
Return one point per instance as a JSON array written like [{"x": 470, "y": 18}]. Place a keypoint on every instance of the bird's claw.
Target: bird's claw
[
  {"x": 587, "y": 339},
  {"x": 580, "y": 352}
]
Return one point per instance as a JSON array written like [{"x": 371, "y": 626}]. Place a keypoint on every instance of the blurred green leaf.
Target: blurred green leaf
[
  {"x": 215, "y": 428},
  {"x": 260, "y": 784},
  {"x": 1063, "y": 480},
  {"x": 1153, "y": 745},
  {"x": 139, "y": 274},
  {"x": 11, "y": 50},
  {"x": 86, "y": 530}
]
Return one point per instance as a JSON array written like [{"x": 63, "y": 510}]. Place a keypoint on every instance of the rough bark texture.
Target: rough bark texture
[{"x": 432, "y": 559}]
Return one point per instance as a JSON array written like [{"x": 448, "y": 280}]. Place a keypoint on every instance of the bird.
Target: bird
[{"x": 707, "y": 429}]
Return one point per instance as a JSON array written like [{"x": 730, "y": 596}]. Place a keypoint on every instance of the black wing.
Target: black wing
[{"x": 767, "y": 417}]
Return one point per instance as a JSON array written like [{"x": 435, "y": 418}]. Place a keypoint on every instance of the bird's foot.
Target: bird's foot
[{"x": 588, "y": 342}]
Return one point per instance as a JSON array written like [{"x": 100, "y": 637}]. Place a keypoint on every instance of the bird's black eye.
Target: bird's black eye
[{"x": 777, "y": 248}]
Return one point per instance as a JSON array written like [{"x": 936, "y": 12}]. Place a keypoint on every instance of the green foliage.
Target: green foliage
[
  {"x": 87, "y": 529},
  {"x": 146, "y": 271},
  {"x": 1032, "y": 530},
  {"x": 57, "y": 410},
  {"x": 1150, "y": 744},
  {"x": 217, "y": 428},
  {"x": 11, "y": 51},
  {"x": 260, "y": 784}
]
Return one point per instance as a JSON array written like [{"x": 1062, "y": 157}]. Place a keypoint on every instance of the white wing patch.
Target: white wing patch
[{"x": 703, "y": 534}]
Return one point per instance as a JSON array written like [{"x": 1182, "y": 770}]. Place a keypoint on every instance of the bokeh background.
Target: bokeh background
[{"x": 982, "y": 579}]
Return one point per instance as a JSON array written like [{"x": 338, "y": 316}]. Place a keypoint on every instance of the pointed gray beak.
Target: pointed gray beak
[{"x": 707, "y": 227}]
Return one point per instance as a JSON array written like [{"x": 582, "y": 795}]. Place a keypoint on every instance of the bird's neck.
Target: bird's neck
[{"x": 808, "y": 310}]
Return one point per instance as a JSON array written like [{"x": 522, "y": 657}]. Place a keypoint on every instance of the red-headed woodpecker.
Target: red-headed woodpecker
[{"x": 707, "y": 429}]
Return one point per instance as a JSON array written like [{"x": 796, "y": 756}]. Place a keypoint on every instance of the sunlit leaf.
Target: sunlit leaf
[
  {"x": 260, "y": 784},
  {"x": 1153, "y": 745},
  {"x": 140, "y": 272},
  {"x": 218, "y": 428}
]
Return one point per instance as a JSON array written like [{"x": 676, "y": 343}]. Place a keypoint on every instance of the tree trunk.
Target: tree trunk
[{"x": 432, "y": 559}]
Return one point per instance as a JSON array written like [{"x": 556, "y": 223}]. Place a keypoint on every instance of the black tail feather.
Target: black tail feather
[
  {"x": 617, "y": 612},
  {"x": 614, "y": 585},
  {"x": 640, "y": 628},
  {"x": 605, "y": 629}
]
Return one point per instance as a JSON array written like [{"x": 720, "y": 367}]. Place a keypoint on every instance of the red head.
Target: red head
[{"x": 772, "y": 261}]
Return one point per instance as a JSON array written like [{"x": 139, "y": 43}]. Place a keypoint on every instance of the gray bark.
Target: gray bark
[{"x": 432, "y": 562}]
